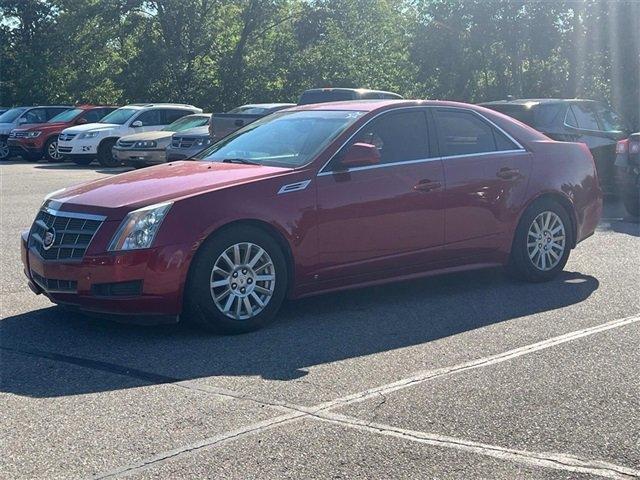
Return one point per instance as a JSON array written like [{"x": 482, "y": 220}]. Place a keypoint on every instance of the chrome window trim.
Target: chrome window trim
[
  {"x": 520, "y": 149},
  {"x": 83, "y": 216}
]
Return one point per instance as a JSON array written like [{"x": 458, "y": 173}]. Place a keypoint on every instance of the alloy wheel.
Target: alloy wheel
[
  {"x": 52, "y": 151},
  {"x": 546, "y": 241},
  {"x": 243, "y": 280},
  {"x": 4, "y": 150}
]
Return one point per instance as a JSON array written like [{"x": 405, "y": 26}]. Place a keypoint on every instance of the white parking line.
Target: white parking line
[{"x": 322, "y": 412}]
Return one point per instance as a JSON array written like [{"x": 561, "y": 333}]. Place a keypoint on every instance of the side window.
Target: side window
[
  {"x": 35, "y": 115},
  {"x": 173, "y": 115},
  {"x": 151, "y": 118},
  {"x": 570, "y": 118},
  {"x": 94, "y": 115},
  {"x": 52, "y": 112},
  {"x": 399, "y": 137},
  {"x": 585, "y": 116},
  {"x": 464, "y": 133},
  {"x": 610, "y": 120}
]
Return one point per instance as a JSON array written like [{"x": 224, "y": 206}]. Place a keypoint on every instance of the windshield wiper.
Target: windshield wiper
[{"x": 239, "y": 160}]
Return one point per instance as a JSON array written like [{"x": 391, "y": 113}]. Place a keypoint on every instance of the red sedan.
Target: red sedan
[{"x": 313, "y": 199}]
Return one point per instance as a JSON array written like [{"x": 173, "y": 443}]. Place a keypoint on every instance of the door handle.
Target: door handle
[
  {"x": 427, "y": 186},
  {"x": 507, "y": 173}
]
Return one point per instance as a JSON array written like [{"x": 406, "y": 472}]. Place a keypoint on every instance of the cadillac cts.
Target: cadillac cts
[{"x": 313, "y": 199}]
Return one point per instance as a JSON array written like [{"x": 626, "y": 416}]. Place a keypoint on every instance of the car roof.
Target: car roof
[
  {"x": 372, "y": 105},
  {"x": 536, "y": 101},
  {"x": 141, "y": 106}
]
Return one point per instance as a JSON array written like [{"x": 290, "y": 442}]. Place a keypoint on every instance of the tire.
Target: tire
[
  {"x": 528, "y": 261},
  {"x": 105, "y": 156},
  {"x": 632, "y": 203},
  {"x": 83, "y": 161},
  {"x": 205, "y": 302},
  {"x": 51, "y": 153},
  {"x": 4, "y": 149}
]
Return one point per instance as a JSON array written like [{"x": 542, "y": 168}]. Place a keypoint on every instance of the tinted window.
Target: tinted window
[
  {"x": 570, "y": 118},
  {"x": 322, "y": 96},
  {"x": 585, "y": 116},
  {"x": 119, "y": 116},
  {"x": 611, "y": 121},
  {"x": 66, "y": 116},
  {"x": 10, "y": 115},
  {"x": 464, "y": 133},
  {"x": 151, "y": 118},
  {"x": 173, "y": 115},
  {"x": 185, "y": 123},
  {"x": 94, "y": 115},
  {"x": 537, "y": 115},
  {"x": 35, "y": 115},
  {"x": 399, "y": 137}
]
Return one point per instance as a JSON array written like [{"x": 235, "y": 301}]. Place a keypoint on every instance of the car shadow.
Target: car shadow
[{"x": 308, "y": 332}]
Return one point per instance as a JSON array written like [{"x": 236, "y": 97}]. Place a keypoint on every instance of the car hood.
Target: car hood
[
  {"x": 41, "y": 126},
  {"x": 157, "y": 135},
  {"x": 115, "y": 196},
  {"x": 92, "y": 127}
]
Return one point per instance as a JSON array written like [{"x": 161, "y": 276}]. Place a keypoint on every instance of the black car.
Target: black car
[
  {"x": 574, "y": 120},
  {"x": 628, "y": 172}
]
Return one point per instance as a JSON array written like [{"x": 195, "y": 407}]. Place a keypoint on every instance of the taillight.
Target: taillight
[{"x": 623, "y": 146}]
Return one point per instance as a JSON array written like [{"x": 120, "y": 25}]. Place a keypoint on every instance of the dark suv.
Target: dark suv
[{"x": 573, "y": 120}]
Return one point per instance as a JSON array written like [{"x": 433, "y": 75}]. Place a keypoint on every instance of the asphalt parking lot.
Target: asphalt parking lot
[{"x": 463, "y": 376}]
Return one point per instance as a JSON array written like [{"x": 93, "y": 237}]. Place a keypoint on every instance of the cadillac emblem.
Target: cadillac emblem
[{"x": 49, "y": 238}]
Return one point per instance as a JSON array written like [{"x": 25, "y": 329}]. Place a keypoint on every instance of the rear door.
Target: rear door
[
  {"x": 486, "y": 175},
  {"x": 386, "y": 217}
]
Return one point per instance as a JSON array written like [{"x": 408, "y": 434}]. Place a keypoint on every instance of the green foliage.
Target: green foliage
[{"x": 221, "y": 53}]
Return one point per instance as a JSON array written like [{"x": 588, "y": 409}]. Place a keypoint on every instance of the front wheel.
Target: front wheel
[
  {"x": 632, "y": 203},
  {"x": 105, "y": 154},
  {"x": 237, "y": 282},
  {"x": 542, "y": 242},
  {"x": 4, "y": 149},
  {"x": 51, "y": 151}
]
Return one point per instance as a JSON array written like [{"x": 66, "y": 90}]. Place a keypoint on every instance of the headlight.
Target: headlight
[
  {"x": 33, "y": 134},
  {"x": 89, "y": 135},
  {"x": 203, "y": 142},
  {"x": 139, "y": 227},
  {"x": 146, "y": 144}
]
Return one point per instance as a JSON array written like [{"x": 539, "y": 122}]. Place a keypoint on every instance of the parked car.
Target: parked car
[
  {"x": 222, "y": 124},
  {"x": 315, "y": 199},
  {"x": 20, "y": 116},
  {"x": 3, "y": 109},
  {"x": 574, "y": 120},
  {"x": 41, "y": 139},
  {"x": 143, "y": 149},
  {"x": 188, "y": 143},
  {"x": 628, "y": 171},
  {"x": 324, "y": 95},
  {"x": 85, "y": 143}
]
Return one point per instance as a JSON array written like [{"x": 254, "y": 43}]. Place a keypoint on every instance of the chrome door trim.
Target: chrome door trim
[{"x": 520, "y": 149}]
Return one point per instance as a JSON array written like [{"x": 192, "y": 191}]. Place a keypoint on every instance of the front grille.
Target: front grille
[
  {"x": 17, "y": 134},
  {"x": 54, "y": 285},
  {"x": 64, "y": 149},
  {"x": 71, "y": 232},
  {"x": 126, "y": 143},
  {"x": 183, "y": 142},
  {"x": 66, "y": 137}
]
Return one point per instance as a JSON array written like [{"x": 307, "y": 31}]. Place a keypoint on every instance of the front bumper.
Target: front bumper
[
  {"x": 139, "y": 157},
  {"x": 24, "y": 147},
  {"x": 95, "y": 283},
  {"x": 78, "y": 147}
]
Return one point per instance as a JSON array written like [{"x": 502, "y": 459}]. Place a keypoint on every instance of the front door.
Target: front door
[{"x": 387, "y": 217}]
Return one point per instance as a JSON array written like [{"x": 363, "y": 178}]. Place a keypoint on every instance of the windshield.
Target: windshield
[
  {"x": 66, "y": 116},
  {"x": 284, "y": 139},
  {"x": 10, "y": 115},
  {"x": 185, "y": 123},
  {"x": 119, "y": 116}
]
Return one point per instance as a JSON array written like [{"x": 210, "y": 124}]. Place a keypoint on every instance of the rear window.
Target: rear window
[
  {"x": 535, "y": 116},
  {"x": 323, "y": 96}
]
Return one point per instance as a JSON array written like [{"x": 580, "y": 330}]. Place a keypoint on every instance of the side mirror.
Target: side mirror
[
  {"x": 360, "y": 155},
  {"x": 136, "y": 124},
  {"x": 81, "y": 121}
]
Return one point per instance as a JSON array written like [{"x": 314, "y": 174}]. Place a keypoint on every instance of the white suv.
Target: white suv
[{"x": 84, "y": 143}]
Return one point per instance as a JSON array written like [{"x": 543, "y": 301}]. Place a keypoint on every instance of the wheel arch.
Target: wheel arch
[{"x": 565, "y": 202}]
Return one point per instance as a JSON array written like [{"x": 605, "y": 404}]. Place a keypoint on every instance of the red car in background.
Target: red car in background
[
  {"x": 41, "y": 139},
  {"x": 313, "y": 199}
]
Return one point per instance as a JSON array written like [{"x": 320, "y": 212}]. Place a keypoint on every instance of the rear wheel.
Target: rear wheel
[
  {"x": 51, "y": 151},
  {"x": 632, "y": 203},
  {"x": 237, "y": 282},
  {"x": 542, "y": 242},
  {"x": 105, "y": 154}
]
